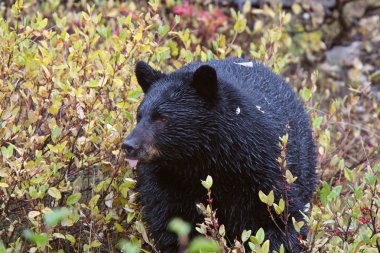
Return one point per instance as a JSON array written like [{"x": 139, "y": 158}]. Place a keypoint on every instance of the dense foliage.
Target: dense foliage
[{"x": 68, "y": 97}]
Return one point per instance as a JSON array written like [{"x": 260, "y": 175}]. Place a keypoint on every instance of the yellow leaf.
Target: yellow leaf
[
  {"x": 118, "y": 227},
  {"x": 32, "y": 117},
  {"x": 265, "y": 247},
  {"x": 240, "y": 25},
  {"x": 122, "y": 105},
  {"x": 33, "y": 214},
  {"x": 71, "y": 239},
  {"x": 4, "y": 185},
  {"x": 118, "y": 83},
  {"x": 54, "y": 108},
  {"x": 128, "y": 19},
  {"x": 297, "y": 225},
  {"x": 138, "y": 36},
  {"x": 287, "y": 18},
  {"x": 161, "y": 50},
  {"x": 43, "y": 92},
  {"x": 95, "y": 244},
  {"x": 154, "y": 4},
  {"x": 55, "y": 193},
  {"x": 277, "y": 209},
  {"x": 19, "y": 4},
  {"x": 270, "y": 198},
  {"x": 47, "y": 72},
  {"x": 85, "y": 15},
  {"x": 94, "y": 201},
  {"x": 289, "y": 177},
  {"x": 59, "y": 235},
  {"x": 296, "y": 8}
]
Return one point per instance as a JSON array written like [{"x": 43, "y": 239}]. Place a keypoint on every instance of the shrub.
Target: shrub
[{"x": 68, "y": 96}]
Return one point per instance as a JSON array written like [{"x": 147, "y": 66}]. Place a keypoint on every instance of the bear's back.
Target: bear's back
[{"x": 260, "y": 86}]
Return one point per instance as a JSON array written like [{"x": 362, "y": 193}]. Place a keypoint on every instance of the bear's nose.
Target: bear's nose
[{"x": 129, "y": 146}]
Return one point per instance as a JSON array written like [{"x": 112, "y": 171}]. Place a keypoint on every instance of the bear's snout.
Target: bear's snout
[
  {"x": 129, "y": 146},
  {"x": 137, "y": 145}
]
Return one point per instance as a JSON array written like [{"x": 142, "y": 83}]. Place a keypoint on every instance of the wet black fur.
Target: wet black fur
[{"x": 203, "y": 134}]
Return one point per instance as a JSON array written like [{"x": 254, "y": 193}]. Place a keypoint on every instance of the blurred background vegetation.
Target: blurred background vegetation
[{"x": 68, "y": 97}]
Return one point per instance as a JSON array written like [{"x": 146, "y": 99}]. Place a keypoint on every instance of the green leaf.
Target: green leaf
[
  {"x": 128, "y": 247},
  {"x": 177, "y": 19},
  {"x": 306, "y": 93},
  {"x": 40, "y": 24},
  {"x": 40, "y": 240},
  {"x": 245, "y": 235},
  {"x": 134, "y": 95},
  {"x": 180, "y": 227},
  {"x": 7, "y": 152},
  {"x": 222, "y": 230},
  {"x": 260, "y": 235},
  {"x": 335, "y": 192},
  {"x": 359, "y": 193},
  {"x": 207, "y": 183},
  {"x": 263, "y": 197},
  {"x": 56, "y": 133},
  {"x": 324, "y": 193},
  {"x": 163, "y": 30},
  {"x": 201, "y": 244},
  {"x": 74, "y": 198},
  {"x": 317, "y": 122},
  {"x": 56, "y": 216},
  {"x": 252, "y": 246},
  {"x": 348, "y": 174},
  {"x": 370, "y": 179}
]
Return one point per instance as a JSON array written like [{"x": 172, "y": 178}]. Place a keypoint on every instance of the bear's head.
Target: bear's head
[{"x": 176, "y": 119}]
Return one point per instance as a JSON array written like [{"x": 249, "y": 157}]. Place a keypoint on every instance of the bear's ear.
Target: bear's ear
[
  {"x": 146, "y": 75},
  {"x": 205, "y": 81}
]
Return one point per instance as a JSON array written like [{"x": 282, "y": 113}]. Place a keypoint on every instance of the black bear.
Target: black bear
[{"x": 221, "y": 118}]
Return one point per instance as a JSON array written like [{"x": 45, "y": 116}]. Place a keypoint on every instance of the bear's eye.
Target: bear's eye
[
  {"x": 138, "y": 117},
  {"x": 159, "y": 117}
]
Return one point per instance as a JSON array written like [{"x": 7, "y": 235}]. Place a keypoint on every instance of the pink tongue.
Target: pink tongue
[{"x": 133, "y": 163}]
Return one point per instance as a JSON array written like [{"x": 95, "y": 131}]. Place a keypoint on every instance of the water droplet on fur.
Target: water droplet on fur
[
  {"x": 259, "y": 108},
  {"x": 306, "y": 208},
  {"x": 238, "y": 110},
  {"x": 245, "y": 64}
]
